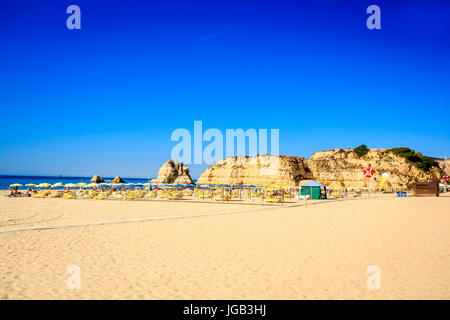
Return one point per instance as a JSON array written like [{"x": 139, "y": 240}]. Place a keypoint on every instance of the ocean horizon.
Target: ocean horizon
[{"x": 7, "y": 180}]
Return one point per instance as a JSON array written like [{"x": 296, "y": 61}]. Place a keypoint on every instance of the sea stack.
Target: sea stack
[
  {"x": 173, "y": 172},
  {"x": 118, "y": 180},
  {"x": 97, "y": 179}
]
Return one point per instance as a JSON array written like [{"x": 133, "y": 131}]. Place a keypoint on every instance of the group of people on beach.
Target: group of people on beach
[{"x": 16, "y": 193}]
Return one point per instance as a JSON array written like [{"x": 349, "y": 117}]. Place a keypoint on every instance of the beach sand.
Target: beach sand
[{"x": 321, "y": 251}]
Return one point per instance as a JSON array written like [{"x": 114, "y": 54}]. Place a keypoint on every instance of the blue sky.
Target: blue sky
[{"x": 105, "y": 99}]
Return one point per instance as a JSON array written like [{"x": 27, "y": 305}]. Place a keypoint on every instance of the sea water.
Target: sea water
[{"x": 6, "y": 181}]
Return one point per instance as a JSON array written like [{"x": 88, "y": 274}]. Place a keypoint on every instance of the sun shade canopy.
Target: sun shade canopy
[{"x": 313, "y": 184}]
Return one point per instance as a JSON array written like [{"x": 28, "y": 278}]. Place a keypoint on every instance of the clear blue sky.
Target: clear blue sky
[{"x": 105, "y": 99}]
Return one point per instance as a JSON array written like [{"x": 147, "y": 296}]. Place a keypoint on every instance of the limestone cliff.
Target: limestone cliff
[
  {"x": 259, "y": 170},
  {"x": 343, "y": 168},
  {"x": 334, "y": 168},
  {"x": 173, "y": 172},
  {"x": 444, "y": 164}
]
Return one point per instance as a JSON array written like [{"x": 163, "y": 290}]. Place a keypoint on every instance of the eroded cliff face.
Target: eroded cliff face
[
  {"x": 259, "y": 170},
  {"x": 343, "y": 168},
  {"x": 444, "y": 165},
  {"x": 173, "y": 172},
  {"x": 334, "y": 168}
]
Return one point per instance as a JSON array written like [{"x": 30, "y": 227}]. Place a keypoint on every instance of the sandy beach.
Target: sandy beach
[{"x": 182, "y": 250}]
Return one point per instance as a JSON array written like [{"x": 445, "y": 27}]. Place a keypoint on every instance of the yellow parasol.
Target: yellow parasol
[
  {"x": 44, "y": 185},
  {"x": 70, "y": 185},
  {"x": 15, "y": 185}
]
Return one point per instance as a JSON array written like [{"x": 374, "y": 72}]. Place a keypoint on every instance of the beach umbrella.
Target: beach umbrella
[
  {"x": 82, "y": 184},
  {"x": 44, "y": 185},
  {"x": 30, "y": 185},
  {"x": 58, "y": 184},
  {"x": 15, "y": 185},
  {"x": 90, "y": 185},
  {"x": 70, "y": 185}
]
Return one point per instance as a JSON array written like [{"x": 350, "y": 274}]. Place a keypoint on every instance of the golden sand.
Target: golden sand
[{"x": 245, "y": 252}]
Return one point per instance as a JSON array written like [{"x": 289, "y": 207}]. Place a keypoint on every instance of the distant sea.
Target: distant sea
[{"x": 6, "y": 181}]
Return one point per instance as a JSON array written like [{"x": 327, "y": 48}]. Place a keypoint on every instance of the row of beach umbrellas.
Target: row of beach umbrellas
[
  {"x": 77, "y": 185},
  {"x": 91, "y": 185}
]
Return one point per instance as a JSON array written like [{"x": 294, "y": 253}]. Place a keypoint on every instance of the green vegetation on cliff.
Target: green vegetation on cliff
[
  {"x": 422, "y": 162},
  {"x": 361, "y": 150}
]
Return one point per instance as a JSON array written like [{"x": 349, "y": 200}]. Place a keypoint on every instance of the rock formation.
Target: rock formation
[
  {"x": 334, "y": 168},
  {"x": 343, "y": 168},
  {"x": 97, "y": 179},
  {"x": 444, "y": 164},
  {"x": 260, "y": 170},
  {"x": 118, "y": 180},
  {"x": 173, "y": 172}
]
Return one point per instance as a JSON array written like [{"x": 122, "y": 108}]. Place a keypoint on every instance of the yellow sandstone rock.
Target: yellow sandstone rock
[
  {"x": 173, "y": 172},
  {"x": 334, "y": 168}
]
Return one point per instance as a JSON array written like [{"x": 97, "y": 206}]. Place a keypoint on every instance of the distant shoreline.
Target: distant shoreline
[
  {"x": 8, "y": 176},
  {"x": 7, "y": 180}
]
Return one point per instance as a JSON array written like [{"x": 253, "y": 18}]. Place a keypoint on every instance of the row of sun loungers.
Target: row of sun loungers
[{"x": 216, "y": 195}]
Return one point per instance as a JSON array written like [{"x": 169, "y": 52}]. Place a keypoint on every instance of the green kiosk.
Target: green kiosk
[{"x": 314, "y": 190}]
